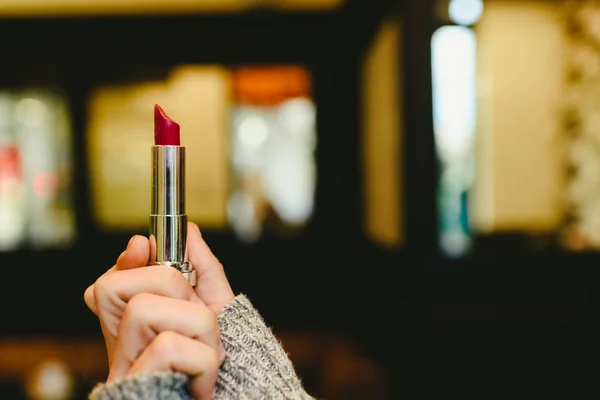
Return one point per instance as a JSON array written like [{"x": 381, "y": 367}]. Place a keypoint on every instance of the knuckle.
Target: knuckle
[
  {"x": 88, "y": 295},
  {"x": 140, "y": 301},
  {"x": 212, "y": 360},
  {"x": 164, "y": 345},
  {"x": 102, "y": 287},
  {"x": 137, "y": 308},
  {"x": 172, "y": 275},
  {"x": 176, "y": 282}
]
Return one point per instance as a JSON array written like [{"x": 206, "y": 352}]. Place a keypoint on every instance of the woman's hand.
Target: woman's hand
[{"x": 153, "y": 320}]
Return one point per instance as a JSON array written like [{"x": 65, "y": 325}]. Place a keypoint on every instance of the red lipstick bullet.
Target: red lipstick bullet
[
  {"x": 168, "y": 220},
  {"x": 166, "y": 131}
]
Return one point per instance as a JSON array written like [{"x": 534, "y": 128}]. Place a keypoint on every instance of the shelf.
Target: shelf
[{"x": 46, "y": 8}]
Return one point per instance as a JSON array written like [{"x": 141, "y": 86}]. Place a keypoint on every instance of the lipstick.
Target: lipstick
[{"x": 168, "y": 219}]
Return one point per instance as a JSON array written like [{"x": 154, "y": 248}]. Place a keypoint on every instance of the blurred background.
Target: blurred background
[{"x": 408, "y": 190}]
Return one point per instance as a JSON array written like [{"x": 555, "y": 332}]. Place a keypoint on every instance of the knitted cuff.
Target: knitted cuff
[{"x": 147, "y": 386}]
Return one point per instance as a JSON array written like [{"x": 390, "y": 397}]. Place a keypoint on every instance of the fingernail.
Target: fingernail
[
  {"x": 197, "y": 229},
  {"x": 222, "y": 353},
  {"x": 131, "y": 241}
]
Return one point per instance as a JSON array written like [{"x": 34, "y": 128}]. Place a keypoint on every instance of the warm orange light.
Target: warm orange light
[
  {"x": 10, "y": 163},
  {"x": 270, "y": 85}
]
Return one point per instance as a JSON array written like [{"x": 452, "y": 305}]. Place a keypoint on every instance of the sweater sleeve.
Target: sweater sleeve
[{"x": 255, "y": 367}]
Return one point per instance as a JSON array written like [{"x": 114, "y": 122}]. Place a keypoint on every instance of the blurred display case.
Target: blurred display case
[{"x": 36, "y": 161}]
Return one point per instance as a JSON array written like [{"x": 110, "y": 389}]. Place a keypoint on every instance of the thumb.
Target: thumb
[{"x": 212, "y": 286}]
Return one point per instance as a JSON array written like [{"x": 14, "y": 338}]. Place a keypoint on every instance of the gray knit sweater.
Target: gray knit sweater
[{"x": 255, "y": 367}]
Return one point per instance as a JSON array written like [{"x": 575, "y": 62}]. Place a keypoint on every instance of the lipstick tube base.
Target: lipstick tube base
[{"x": 168, "y": 233}]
